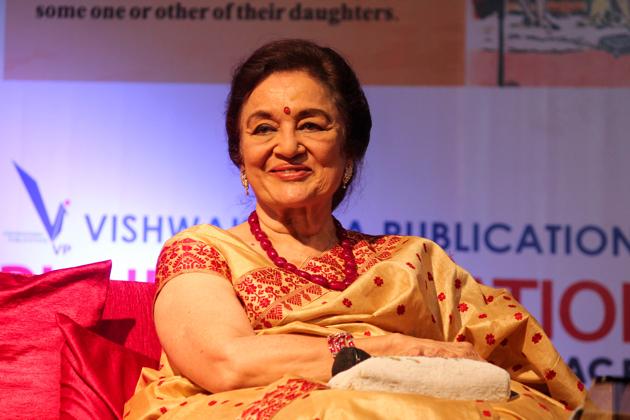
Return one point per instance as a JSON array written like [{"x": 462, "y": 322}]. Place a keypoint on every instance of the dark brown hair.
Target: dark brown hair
[{"x": 322, "y": 63}]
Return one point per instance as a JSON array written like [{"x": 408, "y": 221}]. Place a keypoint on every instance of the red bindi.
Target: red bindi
[{"x": 287, "y": 110}]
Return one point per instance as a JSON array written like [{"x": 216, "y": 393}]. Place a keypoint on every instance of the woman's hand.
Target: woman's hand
[
  {"x": 405, "y": 345},
  {"x": 412, "y": 346}
]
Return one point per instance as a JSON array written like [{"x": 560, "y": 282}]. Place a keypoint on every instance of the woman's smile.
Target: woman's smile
[{"x": 291, "y": 172}]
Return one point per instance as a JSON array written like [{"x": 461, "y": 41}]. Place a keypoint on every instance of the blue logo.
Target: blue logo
[{"x": 53, "y": 228}]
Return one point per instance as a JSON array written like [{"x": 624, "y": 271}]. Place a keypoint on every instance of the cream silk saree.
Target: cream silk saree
[{"x": 407, "y": 285}]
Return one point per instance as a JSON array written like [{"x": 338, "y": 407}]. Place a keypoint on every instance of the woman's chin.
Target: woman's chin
[{"x": 295, "y": 201}]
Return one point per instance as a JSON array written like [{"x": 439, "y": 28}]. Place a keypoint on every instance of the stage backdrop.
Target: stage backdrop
[{"x": 502, "y": 136}]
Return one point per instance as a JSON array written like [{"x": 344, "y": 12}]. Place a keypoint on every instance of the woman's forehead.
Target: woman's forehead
[{"x": 296, "y": 90}]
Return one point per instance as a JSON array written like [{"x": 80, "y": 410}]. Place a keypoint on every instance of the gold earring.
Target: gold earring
[
  {"x": 347, "y": 175},
  {"x": 244, "y": 182}
]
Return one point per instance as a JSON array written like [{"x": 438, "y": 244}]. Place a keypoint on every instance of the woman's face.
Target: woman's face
[{"x": 291, "y": 142}]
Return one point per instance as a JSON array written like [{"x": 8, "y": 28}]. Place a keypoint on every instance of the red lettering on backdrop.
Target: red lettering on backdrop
[
  {"x": 609, "y": 310},
  {"x": 131, "y": 275},
  {"x": 515, "y": 285},
  {"x": 626, "y": 312},
  {"x": 18, "y": 269}
]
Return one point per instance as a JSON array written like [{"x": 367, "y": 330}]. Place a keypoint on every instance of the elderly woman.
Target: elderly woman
[{"x": 248, "y": 317}]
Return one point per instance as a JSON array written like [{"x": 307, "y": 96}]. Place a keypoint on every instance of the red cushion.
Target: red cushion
[
  {"x": 128, "y": 319},
  {"x": 97, "y": 375},
  {"x": 30, "y": 340}
]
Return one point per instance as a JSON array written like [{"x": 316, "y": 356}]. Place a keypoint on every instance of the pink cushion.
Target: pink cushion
[
  {"x": 30, "y": 340},
  {"x": 97, "y": 375}
]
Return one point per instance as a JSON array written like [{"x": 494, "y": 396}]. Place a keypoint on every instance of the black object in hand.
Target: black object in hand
[{"x": 348, "y": 357}]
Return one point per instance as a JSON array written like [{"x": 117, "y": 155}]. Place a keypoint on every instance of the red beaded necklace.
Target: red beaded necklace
[{"x": 349, "y": 269}]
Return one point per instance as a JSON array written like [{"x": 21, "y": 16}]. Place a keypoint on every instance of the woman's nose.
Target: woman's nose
[{"x": 288, "y": 144}]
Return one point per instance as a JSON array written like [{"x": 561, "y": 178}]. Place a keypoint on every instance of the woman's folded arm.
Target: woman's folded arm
[{"x": 208, "y": 338}]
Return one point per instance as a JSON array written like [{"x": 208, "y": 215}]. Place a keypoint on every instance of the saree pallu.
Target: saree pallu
[{"x": 406, "y": 285}]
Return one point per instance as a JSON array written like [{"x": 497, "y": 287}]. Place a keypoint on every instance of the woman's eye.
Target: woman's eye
[
  {"x": 263, "y": 129},
  {"x": 310, "y": 126}
]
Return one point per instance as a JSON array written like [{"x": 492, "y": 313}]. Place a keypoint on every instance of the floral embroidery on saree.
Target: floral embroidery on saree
[
  {"x": 282, "y": 395},
  {"x": 269, "y": 293},
  {"x": 188, "y": 256},
  {"x": 371, "y": 250}
]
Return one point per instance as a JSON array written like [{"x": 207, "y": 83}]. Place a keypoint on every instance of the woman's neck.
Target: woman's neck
[{"x": 312, "y": 227}]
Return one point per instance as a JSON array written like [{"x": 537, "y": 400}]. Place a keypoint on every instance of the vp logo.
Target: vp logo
[{"x": 52, "y": 228}]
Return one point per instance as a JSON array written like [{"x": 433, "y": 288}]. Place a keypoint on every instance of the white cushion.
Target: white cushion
[{"x": 455, "y": 379}]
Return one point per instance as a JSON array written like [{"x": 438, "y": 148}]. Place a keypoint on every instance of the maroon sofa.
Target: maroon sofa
[{"x": 73, "y": 342}]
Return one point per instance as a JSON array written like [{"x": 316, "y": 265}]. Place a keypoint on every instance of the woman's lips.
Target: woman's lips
[{"x": 291, "y": 173}]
